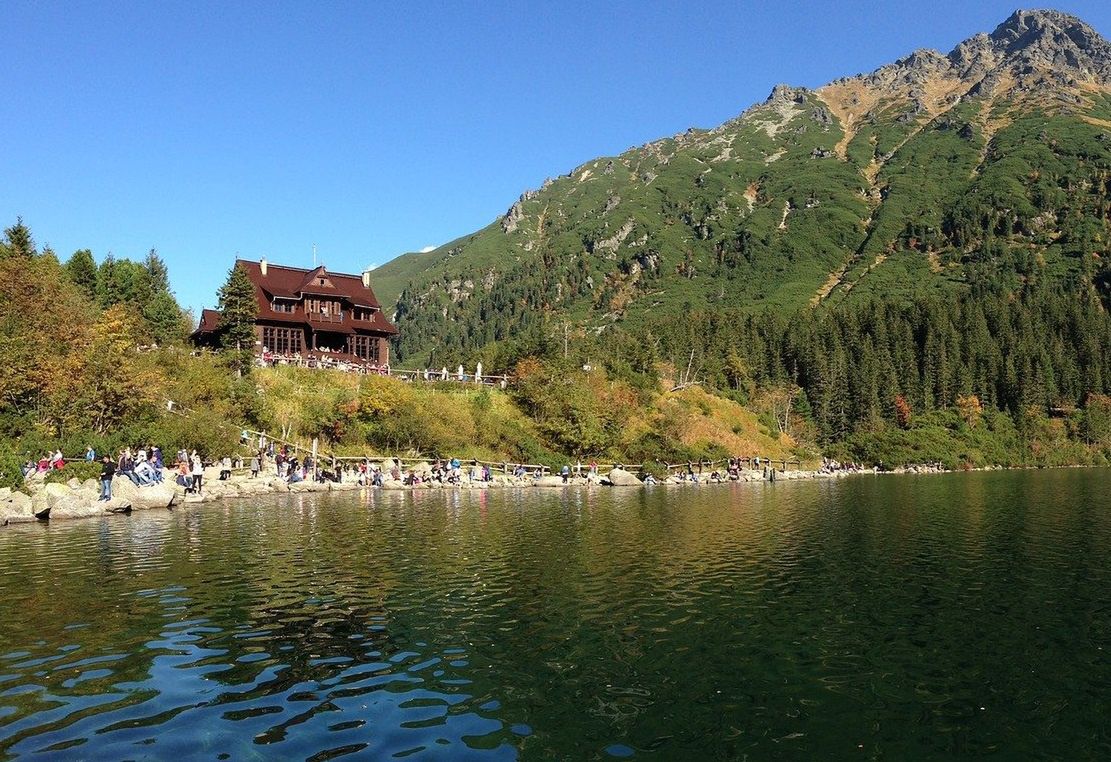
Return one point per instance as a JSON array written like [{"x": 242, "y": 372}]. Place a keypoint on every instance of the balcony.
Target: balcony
[{"x": 325, "y": 317}]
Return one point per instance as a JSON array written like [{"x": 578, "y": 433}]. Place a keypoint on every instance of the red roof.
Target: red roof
[{"x": 294, "y": 283}]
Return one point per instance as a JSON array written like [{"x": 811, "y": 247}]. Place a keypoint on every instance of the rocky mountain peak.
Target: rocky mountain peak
[{"x": 1036, "y": 42}]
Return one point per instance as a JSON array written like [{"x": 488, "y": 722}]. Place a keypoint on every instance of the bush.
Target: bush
[{"x": 80, "y": 470}]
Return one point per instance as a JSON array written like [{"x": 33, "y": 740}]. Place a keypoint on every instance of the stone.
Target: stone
[
  {"x": 154, "y": 496},
  {"x": 75, "y": 507},
  {"x": 619, "y": 477},
  {"x": 15, "y": 508},
  {"x": 39, "y": 507},
  {"x": 549, "y": 481}
]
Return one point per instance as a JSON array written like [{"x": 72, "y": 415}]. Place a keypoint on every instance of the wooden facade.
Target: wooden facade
[{"x": 304, "y": 312}]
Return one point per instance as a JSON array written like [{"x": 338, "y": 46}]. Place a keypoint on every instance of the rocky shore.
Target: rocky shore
[{"x": 76, "y": 499}]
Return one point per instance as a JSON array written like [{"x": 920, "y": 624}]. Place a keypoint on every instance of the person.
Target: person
[
  {"x": 197, "y": 472},
  {"x": 107, "y": 471},
  {"x": 57, "y": 460},
  {"x": 649, "y": 479},
  {"x": 156, "y": 457},
  {"x": 256, "y": 466},
  {"x": 126, "y": 466},
  {"x": 225, "y": 469},
  {"x": 144, "y": 472},
  {"x": 183, "y": 477},
  {"x": 565, "y": 472},
  {"x": 90, "y": 454}
]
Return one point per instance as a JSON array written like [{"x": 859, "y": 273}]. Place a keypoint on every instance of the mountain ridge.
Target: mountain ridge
[{"x": 796, "y": 201}]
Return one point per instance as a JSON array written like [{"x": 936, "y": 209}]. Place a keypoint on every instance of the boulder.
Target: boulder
[
  {"x": 619, "y": 477},
  {"x": 124, "y": 488},
  {"x": 115, "y": 505},
  {"x": 39, "y": 507},
  {"x": 74, "y": 484},
  {"x": 73, "y": 506},
  {"x": 15, "y": 508},
  {"x": 549, "y": 481},
  {"x": 154, "y": 496}
]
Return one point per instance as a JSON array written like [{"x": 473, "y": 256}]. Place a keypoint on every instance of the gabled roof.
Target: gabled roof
[
  {"x": 295, "y": 282},
  {"x": 210, "y": 321},
  {"x": 292, "y": 282}
]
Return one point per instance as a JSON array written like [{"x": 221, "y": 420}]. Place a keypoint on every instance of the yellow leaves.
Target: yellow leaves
[
  {"x": 970, "y": 409},
  {"x": 103, "y": 380}
]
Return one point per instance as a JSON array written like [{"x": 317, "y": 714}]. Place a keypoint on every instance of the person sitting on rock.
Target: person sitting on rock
[
  {"x": 183, "y": 477},
  {"x": 144, "y": 473},
  {"x": 126, "y": 466}
]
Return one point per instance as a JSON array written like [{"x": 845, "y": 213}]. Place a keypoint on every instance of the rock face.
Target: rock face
[{"x": 619, "y": 477}]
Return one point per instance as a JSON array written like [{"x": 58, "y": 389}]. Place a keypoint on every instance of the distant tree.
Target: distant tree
[
  {"x": 166, "y": 322},
  {"x": 238, "y": 310},
  {"x": 17, "y": 241},
  {"x": 82, "y": 273},
  {"x": 970, "y": 409},
  {"x": 902, "y": 412},
  {"x": 158, "y": 276},
  {"x": 1097, "y": 419}
]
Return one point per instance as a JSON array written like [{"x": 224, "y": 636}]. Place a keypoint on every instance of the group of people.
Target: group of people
[
  {"x": 52, "y": 461},
  {"x": 144, "y": 467}
]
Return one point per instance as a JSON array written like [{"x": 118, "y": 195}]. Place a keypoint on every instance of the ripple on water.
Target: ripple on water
[{"x": 907, "y": 617}]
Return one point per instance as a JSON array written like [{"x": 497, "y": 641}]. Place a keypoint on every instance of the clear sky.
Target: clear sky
[{"x": 210, "y": 130}]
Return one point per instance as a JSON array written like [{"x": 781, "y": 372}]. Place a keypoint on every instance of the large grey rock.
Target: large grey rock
[
  {"x": 124, "y": 488},
  {"x": 549, "y": 481},
  {"x": 619, "y": 477},
  {"x": 39, "y": 507},
  {"x": 154, "y": 496},
  {"x": 15, "y": 508},
  {"x": 75, "y": 507}
]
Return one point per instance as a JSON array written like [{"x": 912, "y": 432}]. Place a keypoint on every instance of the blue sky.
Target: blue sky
[{"x": 210, "y": 130}]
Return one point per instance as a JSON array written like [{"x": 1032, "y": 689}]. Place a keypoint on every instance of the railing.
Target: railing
[{"x": 324, "y": 317}]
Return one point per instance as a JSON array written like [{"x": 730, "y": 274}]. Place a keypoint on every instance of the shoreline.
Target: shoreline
[{"x": 43, "y": 503}]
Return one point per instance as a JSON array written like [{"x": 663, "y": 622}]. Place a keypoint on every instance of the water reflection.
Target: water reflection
[{"x": 769, "y": 620}]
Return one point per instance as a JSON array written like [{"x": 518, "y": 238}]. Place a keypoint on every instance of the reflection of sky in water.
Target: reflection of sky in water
[{"x": 767, "y": 620}]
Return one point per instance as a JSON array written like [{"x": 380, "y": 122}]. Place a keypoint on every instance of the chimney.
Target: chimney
[
  {"x": 366, "y": 278},
  {"x": 262, "y": 266}
]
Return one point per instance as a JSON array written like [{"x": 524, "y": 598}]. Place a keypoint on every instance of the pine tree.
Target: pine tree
[
  {"x": 238, "y": 310},
  {"x": 81, "y": 270},
  {"x": 158, "y": 275},
  {"x": 17, "y": 241}
]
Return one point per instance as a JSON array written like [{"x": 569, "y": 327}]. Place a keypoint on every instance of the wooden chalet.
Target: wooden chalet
[{"x": 303, "y": 312}]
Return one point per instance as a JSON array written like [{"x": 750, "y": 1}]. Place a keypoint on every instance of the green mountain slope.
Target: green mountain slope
[{"x": 991, "y": 164}]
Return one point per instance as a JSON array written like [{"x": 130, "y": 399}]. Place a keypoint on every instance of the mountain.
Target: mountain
[{"x": 931, "y": 175}]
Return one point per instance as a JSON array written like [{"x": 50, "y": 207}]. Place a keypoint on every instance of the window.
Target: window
[
  {"x": 363, "y": 313},
  {"x": 277, "y": 306},
  {"x": 366, "y": 347},
  {"x": 282, "y": 341}
]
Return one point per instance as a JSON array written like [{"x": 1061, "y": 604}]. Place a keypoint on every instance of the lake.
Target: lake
[{"x": 903, "y": 617}]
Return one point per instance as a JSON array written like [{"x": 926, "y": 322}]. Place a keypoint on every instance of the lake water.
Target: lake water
[{"x": 897, "y": 617}]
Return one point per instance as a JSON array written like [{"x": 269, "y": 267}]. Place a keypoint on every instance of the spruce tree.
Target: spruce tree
[
  {"x": 17, "y": 241},
  {"x": 238, "y": 310},
  {"x": 81, "y": 270}
]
